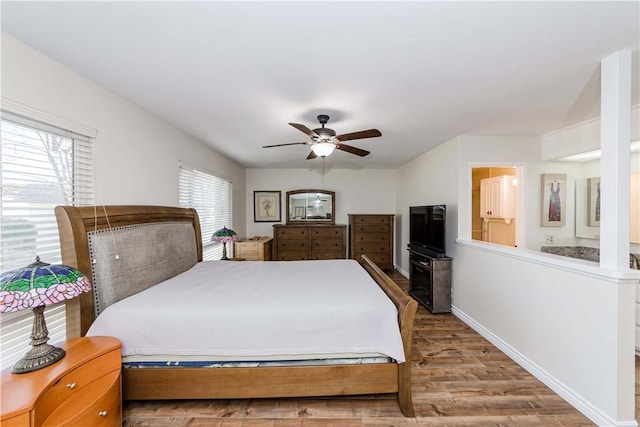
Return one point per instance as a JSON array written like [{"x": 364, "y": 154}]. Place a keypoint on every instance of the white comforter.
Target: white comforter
[{"x": 258, "y": 308}]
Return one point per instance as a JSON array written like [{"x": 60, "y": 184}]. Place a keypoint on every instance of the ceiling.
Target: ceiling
[{"x": 233, "y": 74}]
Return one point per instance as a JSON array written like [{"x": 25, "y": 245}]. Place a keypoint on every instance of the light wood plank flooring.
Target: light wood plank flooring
[{"x": 459, "y": 379}]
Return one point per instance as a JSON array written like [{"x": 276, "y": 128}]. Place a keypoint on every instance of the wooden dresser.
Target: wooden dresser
[
  {"x": 256, "y": 249},
  {"x": 372, "y": 235},
  {"x": 309, "y": 241},
  {"x": 82, "y": 389}
]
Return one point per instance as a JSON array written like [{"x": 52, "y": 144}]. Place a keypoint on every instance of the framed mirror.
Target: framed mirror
[{"x": 311, "y": 206}]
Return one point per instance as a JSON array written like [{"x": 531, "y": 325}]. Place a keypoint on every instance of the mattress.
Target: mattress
[
  {"x": 163, "y": 361},
  {"x": 255, "y": 311}
]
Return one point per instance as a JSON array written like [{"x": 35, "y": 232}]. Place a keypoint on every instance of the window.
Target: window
[
  {"x": 210, "y": 196},
  {"x": 42, "y": 167}
]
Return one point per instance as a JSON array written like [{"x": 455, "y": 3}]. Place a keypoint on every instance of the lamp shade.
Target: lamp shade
[
  {"x": 323, "y": 149},
  {"x": 224, "y": 235},
  {"x": 40, "y": 284}
]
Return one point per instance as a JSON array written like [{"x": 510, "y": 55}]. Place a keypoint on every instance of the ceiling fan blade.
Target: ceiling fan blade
[
  {"x": 282, "y": 145},
  {"x": 369, "y": 133},
  {"x": 311, "y": 155},
  {"x": 304, "y": 129},
  {"x": 353, "y": 150}
]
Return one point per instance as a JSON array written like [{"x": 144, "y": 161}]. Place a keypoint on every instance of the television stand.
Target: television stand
[{"x": 430, "y": 281}]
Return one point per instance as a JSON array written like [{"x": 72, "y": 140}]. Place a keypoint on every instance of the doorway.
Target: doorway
[{"x": 493, "y": 204}]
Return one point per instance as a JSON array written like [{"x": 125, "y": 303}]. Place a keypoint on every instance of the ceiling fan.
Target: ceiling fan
[{"x": 324, "y": 140}]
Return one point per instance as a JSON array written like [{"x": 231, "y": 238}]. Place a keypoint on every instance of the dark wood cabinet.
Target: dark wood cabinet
[
  {"x": 372, "y": 235},
  {"x": 430, "y": 281},
  {"x": 309, "y": 241}
]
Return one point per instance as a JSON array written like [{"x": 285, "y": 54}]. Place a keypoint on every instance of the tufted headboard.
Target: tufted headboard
[{"x": 123, "y": 250}]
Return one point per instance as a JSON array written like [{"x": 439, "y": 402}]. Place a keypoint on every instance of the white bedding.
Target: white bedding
[{"x": 258, "y": 308}]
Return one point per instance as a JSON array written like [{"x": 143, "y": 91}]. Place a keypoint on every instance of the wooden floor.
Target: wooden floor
[{"x": 458, "y": 379}]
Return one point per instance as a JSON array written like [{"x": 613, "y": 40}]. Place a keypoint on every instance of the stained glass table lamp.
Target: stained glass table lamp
[
  {"x": 36, "y": 286},
  {"x": 223, "y": 236}
]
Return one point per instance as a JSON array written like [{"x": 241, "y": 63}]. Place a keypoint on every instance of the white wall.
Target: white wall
[
  {"x": 428, "y": 180},
  {"x": 357, "y": 191},
  {"x": 136, "y": 154},
  {"x": 556, "y": 319},
  {"x": 572, "y": 330}
]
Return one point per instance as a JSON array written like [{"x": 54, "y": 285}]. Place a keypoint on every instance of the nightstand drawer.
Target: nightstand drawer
[
  {"x": 74, "y": 382},
  {"x": 98, "y": 405},
  {"x": 90, "y": 369}
]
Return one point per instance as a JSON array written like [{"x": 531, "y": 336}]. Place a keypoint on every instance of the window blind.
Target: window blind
[
  {"x": 42, "y": 167},
  {"x": 211, "y": 197}
]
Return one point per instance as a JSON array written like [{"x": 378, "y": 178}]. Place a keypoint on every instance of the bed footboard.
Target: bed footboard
[{"x": 407, "y": 308}]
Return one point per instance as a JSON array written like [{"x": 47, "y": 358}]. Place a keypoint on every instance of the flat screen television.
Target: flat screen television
[{"x": 427, "y": 229}]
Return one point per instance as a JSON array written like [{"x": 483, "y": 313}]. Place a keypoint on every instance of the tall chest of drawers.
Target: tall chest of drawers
[
  {"x": 312, "y": 241},
  {"x": 372, "y": 235}
]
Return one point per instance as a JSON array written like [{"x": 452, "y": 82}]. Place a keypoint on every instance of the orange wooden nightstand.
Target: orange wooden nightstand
[{"x": 84, "y": 388}]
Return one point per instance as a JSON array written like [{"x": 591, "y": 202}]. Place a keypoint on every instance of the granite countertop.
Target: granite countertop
[{"x": 586, "y": 253}]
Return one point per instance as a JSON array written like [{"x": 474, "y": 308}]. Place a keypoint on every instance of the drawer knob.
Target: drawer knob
[
  {"x": 102, "y": 413},
  {"x": 71, "y": 386}
]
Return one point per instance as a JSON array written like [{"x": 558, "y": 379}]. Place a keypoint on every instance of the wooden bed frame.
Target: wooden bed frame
[{"x": 237, "y": 382}]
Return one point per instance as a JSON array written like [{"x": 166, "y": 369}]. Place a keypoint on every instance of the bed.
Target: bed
[{"x": 158, "y": 247}]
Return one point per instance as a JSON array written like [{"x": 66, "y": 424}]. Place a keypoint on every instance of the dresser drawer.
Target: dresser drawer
[
  {"x": 293, "y": 245},
  {"x": 73, "y": 384},
  {"x": 98, "y": 405},
  {"x": 292, "y": 255},
  {"x": 327, "y": 245},
  {"x": 292, "y": 233},
  {"x": 370, "y": 248},
  {"x": 375, "y": 238},
  {"x": 372, "y": 219},
  {"x": 366, "y": 229},
  {"x": 382, "y": 260},
  {"x": 327, "y": 232},
  {"x": 327, "y": 255}
]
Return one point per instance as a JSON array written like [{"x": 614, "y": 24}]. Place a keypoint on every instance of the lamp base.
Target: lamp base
[
  {"x": 224, "y": 252},
  {"x": 37, "y": 358},
  {"x": 41, "y": 354}
]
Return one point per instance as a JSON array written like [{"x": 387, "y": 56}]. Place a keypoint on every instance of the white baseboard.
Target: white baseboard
[{"x": 576, "y": 400}]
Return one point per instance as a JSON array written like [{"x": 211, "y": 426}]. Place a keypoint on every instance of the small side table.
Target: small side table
[
  {"x": 254, "y": 249},
  {"x": 84, "y": 388}
]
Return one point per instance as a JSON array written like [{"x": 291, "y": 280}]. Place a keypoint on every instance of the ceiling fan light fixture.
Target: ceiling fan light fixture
[{"x": 323, "y": 149}]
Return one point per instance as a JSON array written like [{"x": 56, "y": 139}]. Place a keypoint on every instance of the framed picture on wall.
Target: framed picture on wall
[
  {"x": 554, "y": 196},
  {"x": 299, "y": 212},
  {"x": 593, "y": 202},
  {"x": 266, "y": 206}
]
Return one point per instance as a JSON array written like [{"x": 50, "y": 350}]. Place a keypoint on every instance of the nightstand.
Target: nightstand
[
  {"x": 82, "y": 389},
  {"x": 255, "y": 249}
]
